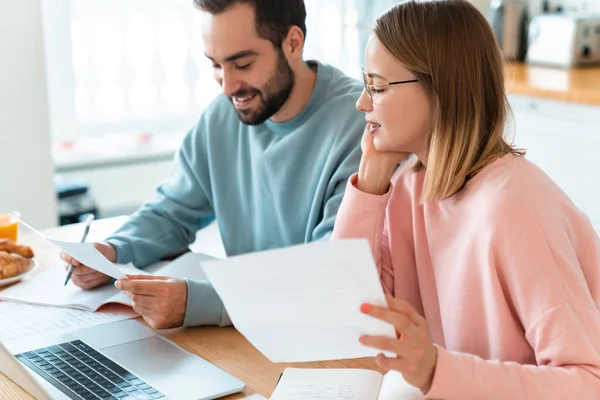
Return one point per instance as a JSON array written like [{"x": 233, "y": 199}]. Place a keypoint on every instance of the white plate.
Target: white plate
[{"x": 33, "y": 266}]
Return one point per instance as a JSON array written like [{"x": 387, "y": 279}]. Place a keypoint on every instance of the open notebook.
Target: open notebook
[
  {"x": 347, "y": 384},
  {"x": 46, "y": 288}
]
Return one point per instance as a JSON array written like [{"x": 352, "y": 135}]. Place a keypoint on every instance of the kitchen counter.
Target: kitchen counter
[{"x": 581, "y": 85}]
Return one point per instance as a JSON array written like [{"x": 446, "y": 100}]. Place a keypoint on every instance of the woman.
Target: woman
[{"x": 492, "y": 272}]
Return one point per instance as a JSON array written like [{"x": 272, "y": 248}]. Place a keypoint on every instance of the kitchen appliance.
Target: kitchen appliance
[
  {"x": 508, "y": 19},
  {"x": 565, "y": 39}
]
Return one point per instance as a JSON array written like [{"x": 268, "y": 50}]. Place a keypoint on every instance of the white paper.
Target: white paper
[
  {"x": 394, "y": 387},
  {"x": 186, "y": 266},
  {"x": 47, "y": 288},
  {"x": 327, "y": 384},
  {"x": 254, "y": 397},
  {"x": 88, "y": 255},
  {"x": 302, "y": 303},
  {"x": 19, "y": 321}
]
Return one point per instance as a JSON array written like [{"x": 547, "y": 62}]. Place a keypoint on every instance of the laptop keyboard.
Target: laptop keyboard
[{"x": 81, "y": 372}]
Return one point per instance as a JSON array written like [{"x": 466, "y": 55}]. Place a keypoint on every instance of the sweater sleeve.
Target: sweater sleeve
[
  {"x": 345, "y": 165},
  {"x": 566, "y": 345},
  {"x": 168, "y": 224},
  {"x": 362, "y": 215},
  {"x": 547, "y": 260}
]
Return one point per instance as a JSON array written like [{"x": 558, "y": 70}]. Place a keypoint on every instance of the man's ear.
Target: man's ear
[{"x": 293, "y": 45}]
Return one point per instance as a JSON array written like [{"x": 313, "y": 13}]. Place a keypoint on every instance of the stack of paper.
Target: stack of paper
[{"x": 20, "y": 321}]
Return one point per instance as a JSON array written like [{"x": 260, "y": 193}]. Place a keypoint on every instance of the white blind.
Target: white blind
[{"x": 139, "y": 66}]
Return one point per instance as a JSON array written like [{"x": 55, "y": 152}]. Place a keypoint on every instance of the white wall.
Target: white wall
[
  {"x": 119, "y": 190},
  {"x": 26, "y": 170}
]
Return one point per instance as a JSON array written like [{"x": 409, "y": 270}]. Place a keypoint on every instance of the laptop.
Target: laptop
[{"x": 123, "y": 360}]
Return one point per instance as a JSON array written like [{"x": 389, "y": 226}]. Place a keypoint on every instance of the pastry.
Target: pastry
[
  {"x": 9, "y": 246},
  {"x": 12, "y": 264}
]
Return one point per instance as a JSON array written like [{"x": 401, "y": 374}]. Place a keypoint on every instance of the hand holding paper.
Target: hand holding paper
[
  {"x": 303, "y": 303},
  {"x": 88, "y": 255},
  {"x": 160, "y": 300},
  {"x": 85, "y": 253}
]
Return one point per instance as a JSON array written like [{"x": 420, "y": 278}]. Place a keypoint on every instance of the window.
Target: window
[{"x": 120, "y": 67}]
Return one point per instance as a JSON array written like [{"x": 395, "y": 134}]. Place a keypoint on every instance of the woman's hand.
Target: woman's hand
[
  {"x": 416, "y": 354},
  {"x": 376, "y": 167}
]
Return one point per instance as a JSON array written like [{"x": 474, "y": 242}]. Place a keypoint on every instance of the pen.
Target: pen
[{"x": 88, "y": 223}]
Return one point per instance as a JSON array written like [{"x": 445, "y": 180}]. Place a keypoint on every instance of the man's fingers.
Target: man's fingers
[
  {"x": 91, "y": 283},
  {"x": 141, "y": 286},
  {"x": 82, "y": 270},
  {"x": 71, "y": 261},
  {"x": 145, "y": 277},
  {"x": 142, "y": 300},
  {"x": 95, "y": 276},
  {"x": 143, "y": 311}
]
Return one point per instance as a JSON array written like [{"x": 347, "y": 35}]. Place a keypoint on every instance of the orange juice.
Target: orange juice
[{"x": 9, "y": 227}]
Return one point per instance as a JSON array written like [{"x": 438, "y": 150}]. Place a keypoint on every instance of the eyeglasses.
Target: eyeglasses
[{"x": 369, "y": 88}]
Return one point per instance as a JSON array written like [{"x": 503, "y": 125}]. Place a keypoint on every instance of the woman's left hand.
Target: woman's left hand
[{"x": 416, "y": 354}]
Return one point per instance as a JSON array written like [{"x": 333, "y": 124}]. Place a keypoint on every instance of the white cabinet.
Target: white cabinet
[{"x": 564, "y": 140}]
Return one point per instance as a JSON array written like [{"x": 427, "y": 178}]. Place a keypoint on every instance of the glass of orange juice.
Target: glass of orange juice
[{"x": 9, "y": 226}]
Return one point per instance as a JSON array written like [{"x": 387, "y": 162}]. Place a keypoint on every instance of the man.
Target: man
[{"x": 269, "y": 159}]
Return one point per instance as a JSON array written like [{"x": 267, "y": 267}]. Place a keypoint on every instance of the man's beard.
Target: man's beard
[{"x": 276, "y": 92}]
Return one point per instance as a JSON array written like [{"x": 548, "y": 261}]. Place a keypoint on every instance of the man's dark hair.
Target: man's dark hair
[{"x": 274, "y": 18}]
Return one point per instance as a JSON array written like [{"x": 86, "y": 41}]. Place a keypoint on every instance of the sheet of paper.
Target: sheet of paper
[
  {"x": 19, "y": 321},
  {"x": 394, "y": 387},
  {"x": 47, "y": 288},
  {"x": 254, "y": 397},
  {"x": 327, "y": 384},
  {"x": 87, "y": 254},
  {"x": 185, "y": 266},
  {"x": 302, "y": 303}
]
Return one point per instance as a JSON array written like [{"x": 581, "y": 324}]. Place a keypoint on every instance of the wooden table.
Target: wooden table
[
  {"x": 579, "y": 85},
  {"x": 224, "y": 347}
]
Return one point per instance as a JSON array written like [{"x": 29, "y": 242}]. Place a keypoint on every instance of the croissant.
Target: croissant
[
  {"x": 12, "y": 264},
  {"x": 9, "y": 246}
]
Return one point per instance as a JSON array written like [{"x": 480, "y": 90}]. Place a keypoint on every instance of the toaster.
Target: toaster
[{"x": 564, "y": 40}]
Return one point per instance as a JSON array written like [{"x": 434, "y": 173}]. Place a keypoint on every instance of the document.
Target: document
[
  {"x": 19, "y": 321},
  {"x": 302, "y": 303},
  {"x": 343, "y": 384},
  {"x": 88, "y": 255},
  {"x": 47, "y": 287}
]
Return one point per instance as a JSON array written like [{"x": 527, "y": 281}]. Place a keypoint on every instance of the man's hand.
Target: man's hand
[
  {"x": 85, "y": 277},
  {"x": 160, "y": 300}
]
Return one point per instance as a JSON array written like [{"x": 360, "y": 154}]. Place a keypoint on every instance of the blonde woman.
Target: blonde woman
[{"x": 493, "y": 273}]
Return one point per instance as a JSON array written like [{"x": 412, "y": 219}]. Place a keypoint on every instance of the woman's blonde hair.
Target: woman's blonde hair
[{"x": 451, "y": 49}]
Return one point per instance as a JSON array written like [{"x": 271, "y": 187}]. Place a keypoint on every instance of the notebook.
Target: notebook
[
  {"x": 47, "y": 287},
  {"x": 347, "y": 384}
]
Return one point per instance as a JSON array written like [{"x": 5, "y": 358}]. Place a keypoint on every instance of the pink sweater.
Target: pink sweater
[{"x": 506, "y": 273}]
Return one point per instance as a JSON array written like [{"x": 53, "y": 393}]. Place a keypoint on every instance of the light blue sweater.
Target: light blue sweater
[{"x": 269, "y": 186}]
